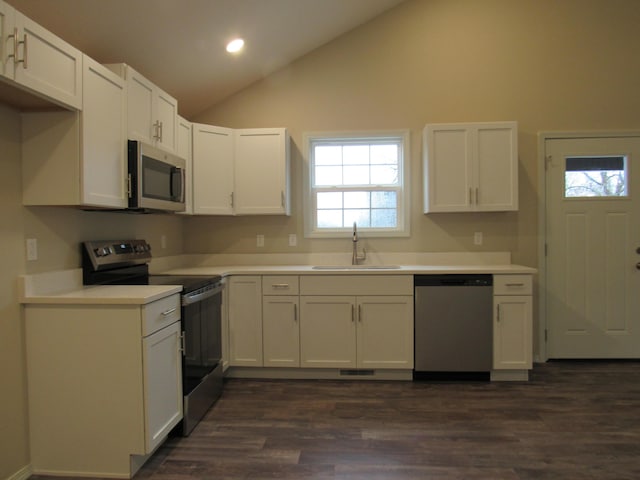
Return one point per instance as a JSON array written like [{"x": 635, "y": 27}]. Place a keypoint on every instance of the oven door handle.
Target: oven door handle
[{"x": 190, "y": 299}]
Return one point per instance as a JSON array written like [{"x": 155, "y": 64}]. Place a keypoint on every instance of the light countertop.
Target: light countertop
[
  {"x": 65, "y": 287},
  {"x": 226, "y": 270}
]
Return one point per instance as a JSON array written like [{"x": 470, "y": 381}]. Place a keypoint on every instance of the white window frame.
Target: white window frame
[{"x": 403, "y": 214}]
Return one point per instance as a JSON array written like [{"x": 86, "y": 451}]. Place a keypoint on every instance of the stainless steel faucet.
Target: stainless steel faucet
[{"x": 355, "y": 258}]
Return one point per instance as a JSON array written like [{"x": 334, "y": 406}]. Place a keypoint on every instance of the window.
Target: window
[
  {"x": 357, "y": 179},
  {"x": 595, "y": 177}
]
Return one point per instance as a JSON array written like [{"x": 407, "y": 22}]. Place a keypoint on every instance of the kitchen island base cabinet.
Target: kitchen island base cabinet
[{"x": 104, "y": 390}]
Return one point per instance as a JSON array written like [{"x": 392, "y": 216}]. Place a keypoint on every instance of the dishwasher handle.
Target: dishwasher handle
[{"x": 453, "y": 280}]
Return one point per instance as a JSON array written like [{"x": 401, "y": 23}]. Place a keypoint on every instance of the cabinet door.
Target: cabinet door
[
  {"x": 165, "y": 120},
  {"x": 140, "y": 111},
  {"x": 183, "y": 148},
  {"x": 512, "y": 335},
  {"x": 104, "y": 168},
  {"x": 496, "y": 147},
  {"x": 162, "y": 384},
  {"x": 385, "y": 332},
  {"x": 47, "y": 65},
  {"x": 212, "y": 170},
  {"x": 448, "y": 168},
  {"x": 327, "y": 331},
  {"x": 245, "y": 321},
  {"x": 262, "y": 172},
  {"x": 280, "y": 331},
  {"x": 7, "y": 22}
]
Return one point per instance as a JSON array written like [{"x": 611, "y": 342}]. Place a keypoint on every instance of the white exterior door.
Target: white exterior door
[{"x": 593, "y": 237}]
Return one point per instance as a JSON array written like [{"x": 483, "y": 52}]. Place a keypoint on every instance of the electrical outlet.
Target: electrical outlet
[
  {"x": 477, "y": 238},
  {"x": 293, "y": 240},
  {"x": 260, "y": 241},
  {"x": 32, "y": 249}
]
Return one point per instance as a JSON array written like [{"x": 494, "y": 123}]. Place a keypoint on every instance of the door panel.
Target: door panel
[{"x": 593, "y": 307}]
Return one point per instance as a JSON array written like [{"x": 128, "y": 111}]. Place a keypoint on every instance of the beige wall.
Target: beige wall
[
  {"x": 13, "y": 420},
  {"x": 59, "y": 232},
  {"x": 549, "y": 64}
]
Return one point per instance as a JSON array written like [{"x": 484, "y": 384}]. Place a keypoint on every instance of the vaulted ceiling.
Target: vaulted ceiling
[{"x": 180, "y": 44}]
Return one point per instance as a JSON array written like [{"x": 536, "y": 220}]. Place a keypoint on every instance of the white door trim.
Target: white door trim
[{"x": 543, "y": 136}]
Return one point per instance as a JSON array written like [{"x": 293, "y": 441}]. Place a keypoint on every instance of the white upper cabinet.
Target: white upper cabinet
[
  {"x": 36, "y": 60},
  {"x": 470, "y": 167},
  {"x": 262, "y": 172},
  {"x": 212, "y": 170},
  {"x": 240, "y": 172},
  {"x": 152, "y": 114},
  {"x": 78, "y": 158},
  {"x": 184, "y": 150}
]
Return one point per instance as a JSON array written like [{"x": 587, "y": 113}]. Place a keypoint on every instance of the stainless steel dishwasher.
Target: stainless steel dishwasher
[{"x": 453, "y": 326}]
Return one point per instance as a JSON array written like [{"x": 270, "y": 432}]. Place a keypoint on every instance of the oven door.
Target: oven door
[{"x": 202, "y": 325}]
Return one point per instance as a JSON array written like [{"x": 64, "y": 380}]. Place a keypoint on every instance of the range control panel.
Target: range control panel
[{"x": 111, "y": 253}]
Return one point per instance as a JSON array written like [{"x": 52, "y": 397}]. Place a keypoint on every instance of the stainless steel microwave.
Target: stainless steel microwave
[{"x": 156, "y": 178}]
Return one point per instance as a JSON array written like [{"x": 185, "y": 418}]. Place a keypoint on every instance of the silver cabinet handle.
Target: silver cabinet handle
[
  {"x": 295, "y": 312},
  {"x": 231, "y": 199},
  {"x": 157, "y": 126},
  {"x": 280, "y": 286},
  {"x": 161, "y": 130},
  {"x": 24, "y": 51},
  {"x": 360, "y": 313},
  {"x": 282, "y": 198},
  {"x": 182, "y": 347},
  {"x": 477, "y": 202},
  {"x": 470, "y": 196},
  {"x": 514, "y": 284},
  {"x": 498, "y": 313},
  {"x": 168, "y": 312},
  {"x": 14, "y": 36},
  {"x": 353, "y": 313}
]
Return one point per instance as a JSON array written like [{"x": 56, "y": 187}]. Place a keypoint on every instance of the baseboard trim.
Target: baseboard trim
[
  {"x": 22, "y": 474},
  {"x": 317, "y": 373}
]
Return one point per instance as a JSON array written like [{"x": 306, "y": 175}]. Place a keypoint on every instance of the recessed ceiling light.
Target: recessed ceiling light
[{"x": 235, "y": 45}]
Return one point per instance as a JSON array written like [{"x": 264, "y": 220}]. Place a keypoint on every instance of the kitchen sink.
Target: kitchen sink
[{"x": 355, "y": 267}]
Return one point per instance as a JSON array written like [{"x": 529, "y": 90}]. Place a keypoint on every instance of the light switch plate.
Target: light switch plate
[
  {"x": 293, "y": 240},
  {"x": 32, "y": 249},
  {"x": 477, "y": 238},
  {"x": 259, "y": 240}
]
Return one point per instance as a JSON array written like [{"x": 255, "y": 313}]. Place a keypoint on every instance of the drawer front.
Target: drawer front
[
  {"x": 159, "y": 314},
  {"x": 356, "y": 285},
  {"x": 512, "y": 284},
  {"x": 280, "y": 285}
]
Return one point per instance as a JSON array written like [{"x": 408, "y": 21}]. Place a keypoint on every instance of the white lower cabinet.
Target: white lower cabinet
[
  {"x": 512, "y": 322},
  {"x": 245, "y": 321},
  {"x": 107, "y": 375},
  {"x": 328, "y": 331},
  {"x": 370, "y": 329},
  {"x": 281, "y": 331}
]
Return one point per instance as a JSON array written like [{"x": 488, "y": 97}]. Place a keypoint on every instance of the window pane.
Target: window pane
[
  {"x": 328, "y": 155},
  {"x": 384, "y": 218},
  {"x": 357, "y": 200},
  {"x": 595, "y": 177},
  {"x": 383, "y": 200},
  {"x": 384, "y": 154},
  {"x": 329, "y": 200},
  {"x": 330, "y": 218},
  {"x": 328, "y": 176},
  {"x": 356, "y": 154},
  {"x": 384, "y": 175},
  {"x": 361, "y": 217},
  {"x": 356, "y": 175}
]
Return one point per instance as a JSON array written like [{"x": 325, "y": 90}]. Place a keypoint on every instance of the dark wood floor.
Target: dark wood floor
[{"x": 573, "y": 420}]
